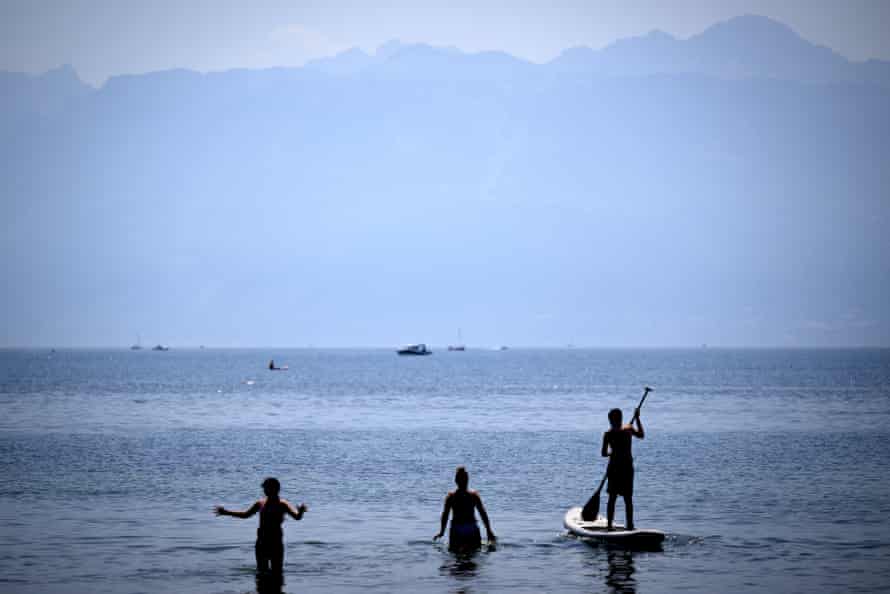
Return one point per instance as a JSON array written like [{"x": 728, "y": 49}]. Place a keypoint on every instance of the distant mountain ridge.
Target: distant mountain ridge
[
  {"x": 41, "y": 94},
  {"x": 742, "y": 47},
  {"x": 695, "y": 194}
]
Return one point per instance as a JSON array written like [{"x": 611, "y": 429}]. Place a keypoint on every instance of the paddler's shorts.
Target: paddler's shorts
[{"x": 621, "y": 479}]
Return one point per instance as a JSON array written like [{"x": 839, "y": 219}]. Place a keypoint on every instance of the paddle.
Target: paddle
[{"x": 592, "y": 508}]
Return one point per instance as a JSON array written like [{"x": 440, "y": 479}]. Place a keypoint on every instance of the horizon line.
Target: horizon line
[
  {"x": 445, "y": 47},
  {"x": 444, "y": 347}
]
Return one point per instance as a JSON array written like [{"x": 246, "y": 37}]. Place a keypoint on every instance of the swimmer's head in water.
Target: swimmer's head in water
[
  {"x": 615, "y": 417},
  {"x": 461, "y": 477},
  {"x": 271, "y": 486}
]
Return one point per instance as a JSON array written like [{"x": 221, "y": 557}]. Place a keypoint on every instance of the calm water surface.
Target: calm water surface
[{"x": 770, "y": 469}]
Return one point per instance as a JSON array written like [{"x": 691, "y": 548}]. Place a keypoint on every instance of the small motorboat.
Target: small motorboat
[
  {"x": 459, "y": 346},
  {"x": 414, "y": 349},
  {"x": 160, "y": 347}
]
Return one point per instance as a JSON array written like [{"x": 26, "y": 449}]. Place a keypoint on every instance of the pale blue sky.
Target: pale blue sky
[{"x": 101, "y": 38}]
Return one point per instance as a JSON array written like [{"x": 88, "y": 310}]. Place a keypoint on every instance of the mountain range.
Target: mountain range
[{"x": 730, "y": 188}]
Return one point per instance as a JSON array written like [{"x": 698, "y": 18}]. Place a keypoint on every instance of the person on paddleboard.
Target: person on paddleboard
[
  {"x": 269, "y": 536},
  {"x": 462, "y": 504},
  {"x": 617, "y": 447}
]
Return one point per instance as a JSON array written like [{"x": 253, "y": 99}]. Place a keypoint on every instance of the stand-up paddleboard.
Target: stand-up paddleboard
[{"x": 596, "y": 530}]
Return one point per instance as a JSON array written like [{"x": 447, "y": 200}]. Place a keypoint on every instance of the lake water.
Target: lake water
[{"x": 769, "y": 469}]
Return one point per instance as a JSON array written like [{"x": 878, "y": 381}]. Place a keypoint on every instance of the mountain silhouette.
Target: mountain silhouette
[
  {"x": 657, "y": 191},
  {"x": 743, "y": 47}
]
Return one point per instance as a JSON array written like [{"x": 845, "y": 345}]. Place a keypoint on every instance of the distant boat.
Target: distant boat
[
  {"x": 460, "y": 343},
  {"x": 414, "y": 349},
  {"x": 159, "y": 347},
  {"x": 138, "y": 345},
  {"x": 503, "y": 348}
]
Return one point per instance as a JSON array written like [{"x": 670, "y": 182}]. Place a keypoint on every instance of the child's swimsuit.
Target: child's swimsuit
[{"x": 269, "y": 538}]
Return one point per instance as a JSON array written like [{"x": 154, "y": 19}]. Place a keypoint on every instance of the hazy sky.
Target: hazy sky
[{"x": 101, "y": 38}]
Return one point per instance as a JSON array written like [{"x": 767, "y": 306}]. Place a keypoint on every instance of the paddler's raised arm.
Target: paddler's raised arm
[{"x": 638, "y": 430}]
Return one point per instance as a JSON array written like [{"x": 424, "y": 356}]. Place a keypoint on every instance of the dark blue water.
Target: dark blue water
[{"x": 770, "y": 469}]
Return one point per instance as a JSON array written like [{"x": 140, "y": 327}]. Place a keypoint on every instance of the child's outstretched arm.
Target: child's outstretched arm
[
  {"x": 296, "y": 514},
  {"x": 221, "y": 511}
]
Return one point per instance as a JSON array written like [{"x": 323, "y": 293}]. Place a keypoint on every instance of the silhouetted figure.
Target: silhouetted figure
[
  {"x": 462, "y": 505},
  {"x": 269, "y": 536},
  {"x": 272, "y": 365},
  {"x": 617, "y": 447}
]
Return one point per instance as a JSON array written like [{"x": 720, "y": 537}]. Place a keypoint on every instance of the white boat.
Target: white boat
[
  {"x": 460, "y": 343},
  {"x": 414, "y": 349},
  {"x": 160, "y": 347}
]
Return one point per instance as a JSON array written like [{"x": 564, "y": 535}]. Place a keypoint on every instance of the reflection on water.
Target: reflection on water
[
  {"x": 269, "y": 583},
  {"x": 617, "y": 569},
  {"x": 464, "y": 567},
  {"x": 619, "y": 578},
  {"x": 460, "y": 565}
]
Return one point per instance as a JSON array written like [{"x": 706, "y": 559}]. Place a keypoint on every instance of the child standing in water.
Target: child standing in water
[
  {"x": 269, "y": 536},
  {"x": 617, "y": 447},
  {"x": 462, "y": 504}
]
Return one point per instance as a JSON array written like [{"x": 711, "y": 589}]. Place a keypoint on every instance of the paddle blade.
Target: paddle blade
[{"x": 592, "y": 508}]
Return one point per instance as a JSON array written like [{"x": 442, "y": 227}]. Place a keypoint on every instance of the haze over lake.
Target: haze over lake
[{"x": 726, "y": 189}]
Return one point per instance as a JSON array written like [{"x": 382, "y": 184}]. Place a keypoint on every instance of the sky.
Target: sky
[{"x": 103, "y": 38}]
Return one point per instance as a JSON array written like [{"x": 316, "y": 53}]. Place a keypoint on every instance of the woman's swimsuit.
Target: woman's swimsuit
[{"x": 464, "y": 532}]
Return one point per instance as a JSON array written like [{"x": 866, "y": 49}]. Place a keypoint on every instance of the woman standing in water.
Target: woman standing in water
[
  {"x": 269, "y": 536},
  {"x": 462, "y": 504}
]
